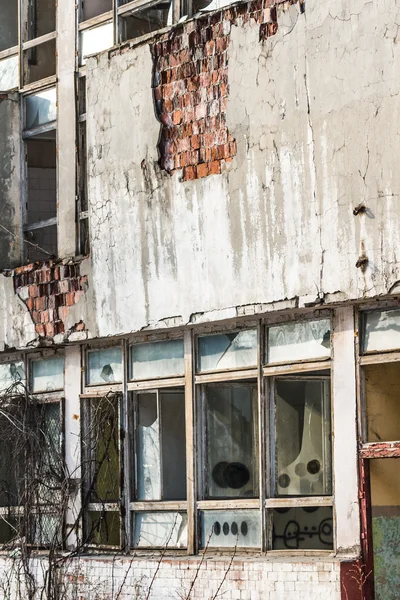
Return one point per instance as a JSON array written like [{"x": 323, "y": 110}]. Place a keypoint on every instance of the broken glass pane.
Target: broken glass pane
[
  {"x": 95, "y": 40},
  {"x": 302, "y": 528},
  {"x": 148, "y": 19},
  {"x": 160, "y": 530},
  {"x": 157, "y": 359},
  {"x": 148, "y": 449},
  {"x": 40, "y": 62},
  {"x": 47, "y": 374},
  {"x": 10, "y": 527},
  {"x": 41, "y": 17},
  {"x": 230, "y": 529},
  {"x": 104, "y": 366},
  {"x": 303, "y": 438},
  {"x": 382, "y": 330},
  {"x": 299, "y": 341},
  {"x": 382, "y": 392},
  {"x": 100, "y": 449},
  {"x": 231, "y": 441},
  {"x": 103, "y": 528},
  {"x": 10, "y": 375},
  {"x": 9, "y": 74},
  {"x": 227, "y": 350},
  {"x": 40, "y": 108}
]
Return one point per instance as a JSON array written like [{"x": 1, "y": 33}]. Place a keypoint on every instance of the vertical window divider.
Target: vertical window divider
[
  {"x": 190, "y": 441},
  {"x": 125, "y": 454},
  {"x": 115, "y": 22},
  {"x": 262, "y": 431},
  {"x": 160, "y": 453}
]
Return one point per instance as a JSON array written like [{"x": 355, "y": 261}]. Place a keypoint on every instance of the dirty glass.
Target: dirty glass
[
  {"x": 9, "y": 74},
  {"x": 103, "y": 528},
  {"x": 48, "y": 463},
  {"x": 157, "y": 359},
  {"x": 231, "y": 441},
  {"x": 94, "y": 8},
  {"x": 11, "y": 464},
  {"x": 302, "y": 528},
  {"x": 100, "y": 449},
  {"x": 385, "y": 508},
  {"x": 104, "y": 366},
  {"x": 160, "y": 530},
  {"x": 161, "y": 446},
  {"x": 381, "y": 330},
  {"x": 8, "y": 24},
  {"x": 95, "y": 40},
  {"x": 230, "y": 529},
  {"x": 382, "y": 393},
  {"x": 227, "y": 350},
  {"x": 40, "y": 108},
  {"x": 47, "y": 375},
  {"x": 147, "y": 19},
  {"x": 10, "y": 527},
  {"x": 10, "y": 375},
  {"x": 45, "y": 529},
  {"x": 302, "y": 438},
  {"x": 298, "y": 341}
]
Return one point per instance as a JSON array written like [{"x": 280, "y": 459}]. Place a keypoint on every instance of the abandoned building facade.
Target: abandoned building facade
[{"x": 199, "y": 299}]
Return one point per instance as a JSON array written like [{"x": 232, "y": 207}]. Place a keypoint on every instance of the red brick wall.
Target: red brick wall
[
  {"x": 191, "y": 87},
  {"x": 49, "y": 290}
]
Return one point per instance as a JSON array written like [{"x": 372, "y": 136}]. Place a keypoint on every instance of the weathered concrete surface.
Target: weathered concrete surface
[
  {"x": 315, "y": 113},
  {"x": 10, "y": 211},
  {"x": 16, "y": 326}
]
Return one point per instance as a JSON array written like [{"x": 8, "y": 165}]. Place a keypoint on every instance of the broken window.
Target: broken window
[
  {"x": 8, "y": 24},
  {"x": 41, "y": 206},
  {"x": 302, "y": 445},
  {"x": 231, "y": 350},
  {"x": 157, "y": 359},
  {"x": 104, "y": 366},
  {"x": 100, "y": 470},
  {"x": 40, "y": 18},
  {"x": 301, "y": 340},
  {"x": 32, "y": 495},
  {"x": 231, "y": 440},
  {"x": 382, "y": 395},
  {"x": 137, "y": 20},
  {"x": 39, "y": 61}
]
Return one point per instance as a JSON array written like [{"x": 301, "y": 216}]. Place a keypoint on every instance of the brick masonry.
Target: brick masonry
[
  {"x": 191, "y": 87},
  {"x": 48, "y": 291}
]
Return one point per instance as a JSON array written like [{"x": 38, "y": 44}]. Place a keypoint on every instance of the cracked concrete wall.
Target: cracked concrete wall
[
  {"x": 314, "y": 110},
  {"x": 10, "y": 209}
]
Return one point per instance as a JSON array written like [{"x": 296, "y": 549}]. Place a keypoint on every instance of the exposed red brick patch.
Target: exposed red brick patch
[
  {"x": 191, "y": 88},
  {"x": 48, "y": 291}
]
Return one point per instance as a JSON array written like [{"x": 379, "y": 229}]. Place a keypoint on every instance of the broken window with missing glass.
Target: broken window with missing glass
[{"x": 33, "y": 495}]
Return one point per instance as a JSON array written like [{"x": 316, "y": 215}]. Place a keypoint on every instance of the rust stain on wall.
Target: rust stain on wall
[
  {"x": 191, "y": 87},
  {"x": 48, "y": 291}
]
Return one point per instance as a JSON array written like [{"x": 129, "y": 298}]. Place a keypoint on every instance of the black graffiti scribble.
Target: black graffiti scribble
[{"x": 293, "y": 534}]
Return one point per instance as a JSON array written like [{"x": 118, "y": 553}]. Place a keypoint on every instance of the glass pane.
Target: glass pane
[
  {"x": 47, "y": 374},
  {"x": 40, "y": 62},
  {"x": 227, "y": 350},
  {"x": 40, "y": 108},
  {"x": 148, "y": 482},
  {"x": 95, "y": 40},
  {"x": 385, "y": 501},
  {"x": 382, "y": 391},
  {"x": 104, "y": 366},
  {"x": 100, "y": 448},
  {"x": 382, "y": 330},
  {"x": 42, "y": 182},
  {"x": 303, "y": 438},
  {"x": 45, "y": 243},
  {"x": 9, "y": 73},
  {"x": 157, "y": 359},
  {"x": 11, "y": 461},
  {"x": 230, "y": 528},
  {"x": 48, "y": 466},
  {"x": 302, "y": 528},
  {"x": 94, "y": 8},
  {"x": 160, "y": 529},
  {"x": 146, "y": 20},
  {"x": 231, "y": 441},
  {"x": 45, "y": 529},
  {"x": 10, "y": 527},
  {"x": 299, "y": 341},
  {"x": 8, "y": 24},
  {"x": 103, "y": 528},
  {"x": 11, "y": 374},
  {"x": 173, "y": 444},
  {"x": 41, "y": 17}
]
